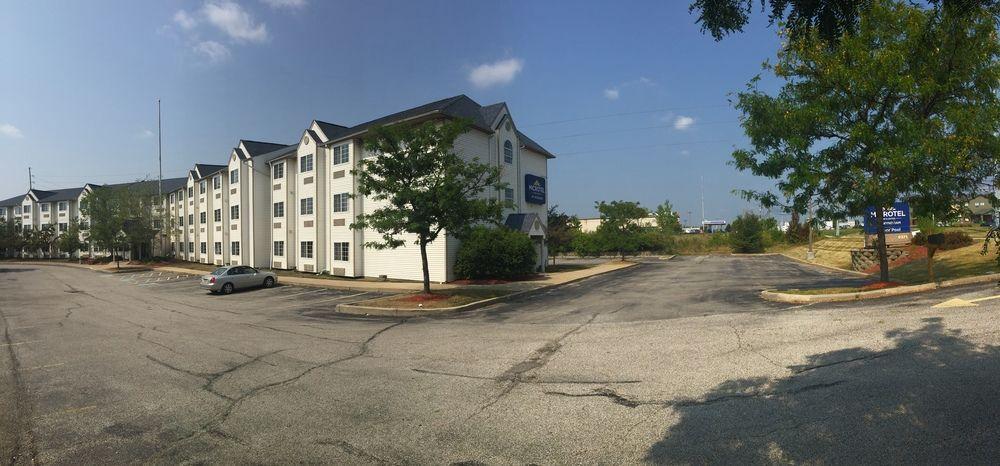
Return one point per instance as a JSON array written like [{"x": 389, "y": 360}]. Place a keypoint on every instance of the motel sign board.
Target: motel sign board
[
  {"x": 534, "y": 189},
  {"x": 895, "y": 219}
]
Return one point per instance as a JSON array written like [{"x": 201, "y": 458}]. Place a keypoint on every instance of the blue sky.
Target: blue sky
[{"x": 80, "y": 80}]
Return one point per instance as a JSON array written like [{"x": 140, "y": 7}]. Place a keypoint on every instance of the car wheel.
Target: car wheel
[
  {"x": 269, "y": 282},
  {"x": 227, "y": 288}
]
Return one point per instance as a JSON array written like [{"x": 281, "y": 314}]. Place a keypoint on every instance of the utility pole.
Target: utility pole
[
  {"x": 159, "y": 149},
  {"x": 29, "y": 179},
  {"x": 703, "y": 203}
]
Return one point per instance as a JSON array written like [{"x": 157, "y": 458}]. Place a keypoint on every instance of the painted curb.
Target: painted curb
[
  {"x": 771, "y": 295},
  {"x": 355, "y": 309}
]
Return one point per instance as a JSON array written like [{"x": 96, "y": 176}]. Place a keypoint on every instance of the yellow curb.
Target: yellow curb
[{"x": 776, "y": 296}]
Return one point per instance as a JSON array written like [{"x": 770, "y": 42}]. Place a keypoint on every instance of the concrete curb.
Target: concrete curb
[
  {"x": 355, "y": 309},
  {"x": 125, "y": 269},
  {"x": 771, "y": 295}
]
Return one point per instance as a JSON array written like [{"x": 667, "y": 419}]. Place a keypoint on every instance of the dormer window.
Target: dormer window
[
  {"x": 306, "y": 163},
  {"x": 234, "y": 177},
  {"x": 508, "y": 152},
  {"x": 217, "y": 182}
]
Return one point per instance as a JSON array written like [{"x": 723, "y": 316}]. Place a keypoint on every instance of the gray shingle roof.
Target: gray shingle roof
[
  {"x": 265, "y": 158},
  {"x": 68, "y": 194},
  {"x": 532, "y": 145},
  {"x": 490, "y": 112},
  {"x": 255, "y": 148},
  {"x": 203, "y": 170},
  {"x": 332, "y": 130},
  {"x": 14, "y": 201},
  {"x": 521, "y": 222}
]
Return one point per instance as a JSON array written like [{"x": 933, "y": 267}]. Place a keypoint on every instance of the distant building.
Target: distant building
[
  {"x": 977, "y": 210},
  {"x": 589, "y": 225}
]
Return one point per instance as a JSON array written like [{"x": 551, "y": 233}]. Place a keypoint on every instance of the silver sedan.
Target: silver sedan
[{"x": 228, "y": 279}]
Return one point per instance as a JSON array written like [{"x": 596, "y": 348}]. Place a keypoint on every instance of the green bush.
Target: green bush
[
  {"x": 952, "y": 240},
  {"x": 495, "y": 253},
  {"x": 655, "y": 240},
  {"x": 747, "y": 234}
]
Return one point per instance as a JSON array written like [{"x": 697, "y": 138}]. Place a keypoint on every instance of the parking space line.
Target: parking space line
[
  {"x": 20, "y": 343},
  {"x": 47, "y": 366},
  {"x": 305, "y": 293}
]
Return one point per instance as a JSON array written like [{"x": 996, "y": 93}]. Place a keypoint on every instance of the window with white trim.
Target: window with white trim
[
  {"x": 234, "y": 248},
  {"x": 45, "y": 207},
  {"x": 306, "y": 206},
  {"x": 508, "y": 195},
  {"x": 279, "y": 210},
  {"x": 341, "y": 251},
  {"x": 218, "y": 247},
  {"x": 204, "y": 247},
  {"x": 279, "y": 248},
  {"x": 234, "y": 176},
  {"x": 63, "y": 205},
  {"x": 191, "y": 247},
  {"x": 202, "y": 186},
  {"x": 278, "y": 171},
  {"x": 306, "y": 249},
  {"x": 234, "y": 212},
  {"x": 341, "y": 154},
  {"x": 190, "y": 221},
  {"x": 203, "y": 217},
  {"x": 217, "y": 215},
  {"x": 63, "y": 227},
  {"x": 508, "y": 152},
  {"x": 341, "y": 202},
  {"x": 306, "y": 163},
  {"x": 190, "y": 192},
  {"x": 216, "y": 182}
]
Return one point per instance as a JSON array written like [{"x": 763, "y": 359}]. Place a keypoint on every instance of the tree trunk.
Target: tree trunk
[
  {"x": 883, "y": 253},
  {"x": 423, "y": 260},
  {"x": 930, "y": 263}
]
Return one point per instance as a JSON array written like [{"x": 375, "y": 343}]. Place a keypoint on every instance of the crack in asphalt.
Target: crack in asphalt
[
  {"x": 630, "y": 402},
  {"x": 740, "y": 344},
  {"x": 300, "y": 333},
  {"x": 355, "y": 451},
  {"x": 215, "y": 424},
  {"x": 533, "y": 381},
  {"x": 23, "y": 431},
  {"x": 139, "y": 336},
  {"x": 880, "y": 354}
]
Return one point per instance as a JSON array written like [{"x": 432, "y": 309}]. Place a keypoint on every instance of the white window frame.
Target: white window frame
[
  {"x": 302, "y": 249},
  {"x": 341, "y": 154},
  {"x": 234, "y": 212},
  {"x": 203, "y": 218},
  {"x": 279, "y": 249},
  {"x": 234, "y": 248},
  {"x": 45, "y": 207},
  {"x": 278, "y": 209},
  {"x": 218, "y": 247},
  {"x": 341, "y": 251},
  {"x": 63, "y": 206},
  {"x": 202, "y": 187},
  {"x": 306, "y": 160},
  {"x": 342, "y": 202},
  {"x": 508, "y": 195},
  {"x": 278, "y": 171},
  {"x": 204, "y": 247},
  {"x": 306, "y": 202},
  {"x": 217, "y": 215},
  {"x": 216, "y": 182},
  {"x": 508, "y": 152},
  {"x": 234, "y": 176}
]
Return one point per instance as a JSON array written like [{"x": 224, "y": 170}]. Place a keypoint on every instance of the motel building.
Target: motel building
[{"x": 281, "y": 206}]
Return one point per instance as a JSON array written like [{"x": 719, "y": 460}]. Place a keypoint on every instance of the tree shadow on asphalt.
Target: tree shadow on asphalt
[
  {"x": 931, "y": 398},
  {"x": 2, "y": 270}
]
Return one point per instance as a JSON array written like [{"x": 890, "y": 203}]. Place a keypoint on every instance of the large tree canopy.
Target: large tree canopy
[
  {"x": 828, "y": 19},
  {"x": 904, "y": 107}
]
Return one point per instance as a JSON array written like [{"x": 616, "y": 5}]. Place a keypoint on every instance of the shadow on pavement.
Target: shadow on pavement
[
  {"x": 2, "y": 270},
  {"x": 931, "y": 398}
]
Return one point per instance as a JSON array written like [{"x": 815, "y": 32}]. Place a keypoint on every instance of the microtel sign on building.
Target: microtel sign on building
[
  {"x": 895, "y": 219},
  {"x": 534, "y": 189}
]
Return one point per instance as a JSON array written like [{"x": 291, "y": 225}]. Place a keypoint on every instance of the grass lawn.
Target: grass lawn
[
  {"x": 437, "y": 300},
  {"x": 564, "y": 267},
  {"x": 833, "y": 252},
  {"x": 824, "y": 291},
  {"x": 961, "y": 262}
]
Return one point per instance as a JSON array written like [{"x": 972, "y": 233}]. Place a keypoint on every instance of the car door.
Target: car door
[
  {"x": 235, "y": 276},
  {"x": 253, "y": 277}
]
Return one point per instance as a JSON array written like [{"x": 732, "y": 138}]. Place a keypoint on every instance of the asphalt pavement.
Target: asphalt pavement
[{"x": 668, "y": 362}]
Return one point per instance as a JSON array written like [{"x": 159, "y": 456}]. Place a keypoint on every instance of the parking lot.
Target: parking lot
[{"x": 665, "y": 362}]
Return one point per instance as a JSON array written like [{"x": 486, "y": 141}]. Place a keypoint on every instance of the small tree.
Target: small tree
[
  {"x": 103, "y": 207},
  {"x": 561, "y": 228},
  {"x": 668, "y": 221},
  {"x": 422, "y": 187},
  {"x": 747, "y": 233},
  {"x": 140, "y": 212},
  {"x": 495, "y": 253},
  {"x": 620, "y": 228},
  {"x": 69, "y": 241},
  {"x": 39, "y": 240},
  {"x": 11, "y": 238}
]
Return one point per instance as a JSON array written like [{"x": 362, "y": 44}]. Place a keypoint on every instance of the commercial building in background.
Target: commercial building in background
[{"x": 291, "y": 206}]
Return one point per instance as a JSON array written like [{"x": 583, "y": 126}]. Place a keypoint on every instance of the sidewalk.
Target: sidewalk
[{"x": 550, "y": 279}]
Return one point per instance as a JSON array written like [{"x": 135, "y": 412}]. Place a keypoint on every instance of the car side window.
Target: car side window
[
  {"x": 249, "y": 270},
  {"x": 233, "y": 271}
]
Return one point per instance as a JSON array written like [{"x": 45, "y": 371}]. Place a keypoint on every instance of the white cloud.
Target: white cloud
[
  {"x": 214, "y": 51},
  {"x": 10, "y": 131},
  {"x": 292, "y": 4},
  {"x": 185, "y": 20},
  {"x": 685, "y": 152},
  {"x": 232, "y": 19},
  {"x": 614, "y": 92},
  {"x": 146, "y": 134},
  {"x": 683, "y": 123},
  {"x": 611, "y": 94},
  {"x": 496, "y": 73}
]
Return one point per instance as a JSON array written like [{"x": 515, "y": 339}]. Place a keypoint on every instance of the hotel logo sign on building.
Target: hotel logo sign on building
[{"x": 534, "y": 189}]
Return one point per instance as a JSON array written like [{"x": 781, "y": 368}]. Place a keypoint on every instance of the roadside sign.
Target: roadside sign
[
  {"x": 534, "y": 189},
  {"x": 895, "y": 219}
]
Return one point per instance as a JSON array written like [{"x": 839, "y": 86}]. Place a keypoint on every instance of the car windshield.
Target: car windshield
[{"x": 220, "y": 271}]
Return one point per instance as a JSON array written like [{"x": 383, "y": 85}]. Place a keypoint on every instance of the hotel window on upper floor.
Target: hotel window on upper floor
[
  {"x": 203, "y": 217},
  {"x": 340, "y": 251},
  {"x": 45, "y": 207},
  {"x": 306, "y": 206},
  {"x": 190, "y": 192},
  {"x": 171, "y": 198},
  {"x": 202, "y": 187},
  {"x": 341, "y": 154},
  {"x": 508, "y": 152},
  {"x": 508, "y": 195},
  {"x": 279, "y": 210},
  {"x": 17, "y": 210},
  {"x": 234, "y": 212},
  {"x": 218, "y": 215},
  {"x": 278, "y": 171},
  {"x": 63, "y": 206},
  {"x": 306, "y": 163},
  {"x": 234, "y": 177},
  {"x": 190, "y": 220},
  {"x": 216, "y": 182},
  {"x": 341, "y": 202}
]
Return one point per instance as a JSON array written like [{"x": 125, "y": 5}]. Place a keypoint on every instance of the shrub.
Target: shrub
[
  {"x": 656, "y": 241},
  {"x": 747, "y": 235},
  {"x": 952, "y": 240},
  {"x": 588, "y": 244},
  {"x": 495, "y": 253}
]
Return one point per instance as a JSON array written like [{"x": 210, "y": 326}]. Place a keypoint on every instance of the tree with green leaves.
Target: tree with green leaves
[
  {"x": 560, "y": 230},
  {"x": 746, "y": 234},
  {"x": 667, "y": 220},
  {"x": 39, "y": 241},
  {"x": 621, "y": 227},
  {"x": 826, "y": 19},
  {"x": 424, "y": 188},
  {"x": 903, "y": 107},
  {"x": 69, "y": 241},
  {"x": 103, "y": 207},
  {"x": 11, "y": 238},
  {"x": 140, "y": 213}
]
